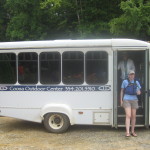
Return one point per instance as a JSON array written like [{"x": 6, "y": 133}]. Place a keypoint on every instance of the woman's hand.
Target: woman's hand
[
  {"x": 121, "y": 102},
  {"x": 138, "y": 92},
  {"x": 121, "y": 96}
]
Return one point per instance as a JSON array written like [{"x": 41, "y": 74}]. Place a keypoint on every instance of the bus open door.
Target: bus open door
[{"x": 140, "y": 58}]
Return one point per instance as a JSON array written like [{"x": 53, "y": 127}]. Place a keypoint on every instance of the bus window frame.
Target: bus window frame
[
  {"x": 16, "y": 59},
  {"x": 107, "y": 73}
]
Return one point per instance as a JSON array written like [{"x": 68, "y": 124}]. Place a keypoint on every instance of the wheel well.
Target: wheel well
[{"x": 59, "y": 109}]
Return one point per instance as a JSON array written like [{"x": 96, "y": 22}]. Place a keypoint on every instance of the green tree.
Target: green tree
[
  {"x": 95, "y": 16},
  {"x": 60, "y": 18},
  {"x": 55, "y": 19},
  {"x": 25, "y": 20},
  {"x": 3, "y": 20},
  {"x": 135, "y": 20},
  {"x": 40, "y": 19}
]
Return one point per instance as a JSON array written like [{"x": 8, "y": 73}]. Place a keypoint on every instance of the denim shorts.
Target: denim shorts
[{"x": 130, "y": 103}]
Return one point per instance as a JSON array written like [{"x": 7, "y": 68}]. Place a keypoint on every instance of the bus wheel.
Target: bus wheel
[{"x": 56, "y": 122}]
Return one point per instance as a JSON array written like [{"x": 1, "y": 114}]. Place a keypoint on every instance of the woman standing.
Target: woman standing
[{"x": 128, "y": 99}]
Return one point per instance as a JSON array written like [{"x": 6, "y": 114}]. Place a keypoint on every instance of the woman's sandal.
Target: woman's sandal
[
  {"x": 134, "y": 134},
  {"x": 128, "y": 135}
]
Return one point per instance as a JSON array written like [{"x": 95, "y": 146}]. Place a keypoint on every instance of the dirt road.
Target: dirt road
[{"x": 22, "y": 135}]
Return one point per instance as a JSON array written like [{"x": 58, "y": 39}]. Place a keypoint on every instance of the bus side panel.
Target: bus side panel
[
  {"x": 28, "y": 105},
  {"x": 27, "y": 114}
]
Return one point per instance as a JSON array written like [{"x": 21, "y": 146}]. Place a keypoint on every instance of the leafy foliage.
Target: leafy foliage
[
  {"x": 24, "y": 23},
  {"x": 60, "y": 19},
  {"x": 134, "y": 22},
  {"x": 3, "y": 20}
]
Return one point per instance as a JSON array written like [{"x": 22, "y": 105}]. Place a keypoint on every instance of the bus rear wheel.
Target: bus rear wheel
[{"x": 56, "y": 122}]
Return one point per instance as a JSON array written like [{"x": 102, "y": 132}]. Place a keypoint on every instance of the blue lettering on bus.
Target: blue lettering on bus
[{"x": 56, "y": 88}]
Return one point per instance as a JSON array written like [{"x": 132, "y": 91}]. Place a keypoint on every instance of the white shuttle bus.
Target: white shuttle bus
[{"x": 68, "y": 82}]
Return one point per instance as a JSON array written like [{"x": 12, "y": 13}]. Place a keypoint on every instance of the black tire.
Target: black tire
[{"x": 56, "y": 122}]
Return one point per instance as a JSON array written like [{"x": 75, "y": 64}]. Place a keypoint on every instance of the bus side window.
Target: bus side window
[
  {"x": 73, "y": 67},
  {"x": 96, "y": 67},
  {"x": 50, "y": 68},
  {"x": 28, "y": 68},
  {"x": 8, "y": 68}
]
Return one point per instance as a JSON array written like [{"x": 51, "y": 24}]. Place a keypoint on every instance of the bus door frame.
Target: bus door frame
[
  {"x": 115, "y": 87},
  {"x": 147, "y": 109}
]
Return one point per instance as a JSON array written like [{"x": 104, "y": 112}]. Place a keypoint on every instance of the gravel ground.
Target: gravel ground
[{"x": 22, "y": 135}]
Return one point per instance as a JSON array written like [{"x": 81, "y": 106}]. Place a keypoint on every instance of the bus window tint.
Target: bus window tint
[
  {"x": 96, "y": 67},
  {"x": 28, "y": 68},
  {"x": 73, "y": 67},
  {"x": 50, "y": 68},
  {"x": 7, "y": 68}
]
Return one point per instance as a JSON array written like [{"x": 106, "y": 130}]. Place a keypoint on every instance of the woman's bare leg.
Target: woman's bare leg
[
  {"x": 128, "y": 118},
  {"x": 133, "y": 119}
]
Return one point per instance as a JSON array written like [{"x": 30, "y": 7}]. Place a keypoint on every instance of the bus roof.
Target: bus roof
[{"x": 74, "y": 43}]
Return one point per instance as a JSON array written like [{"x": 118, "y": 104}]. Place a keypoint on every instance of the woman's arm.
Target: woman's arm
[{"x": 121, "y": 96}]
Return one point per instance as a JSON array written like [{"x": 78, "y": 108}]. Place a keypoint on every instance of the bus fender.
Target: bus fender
[{"x": 58, "y": 108}]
